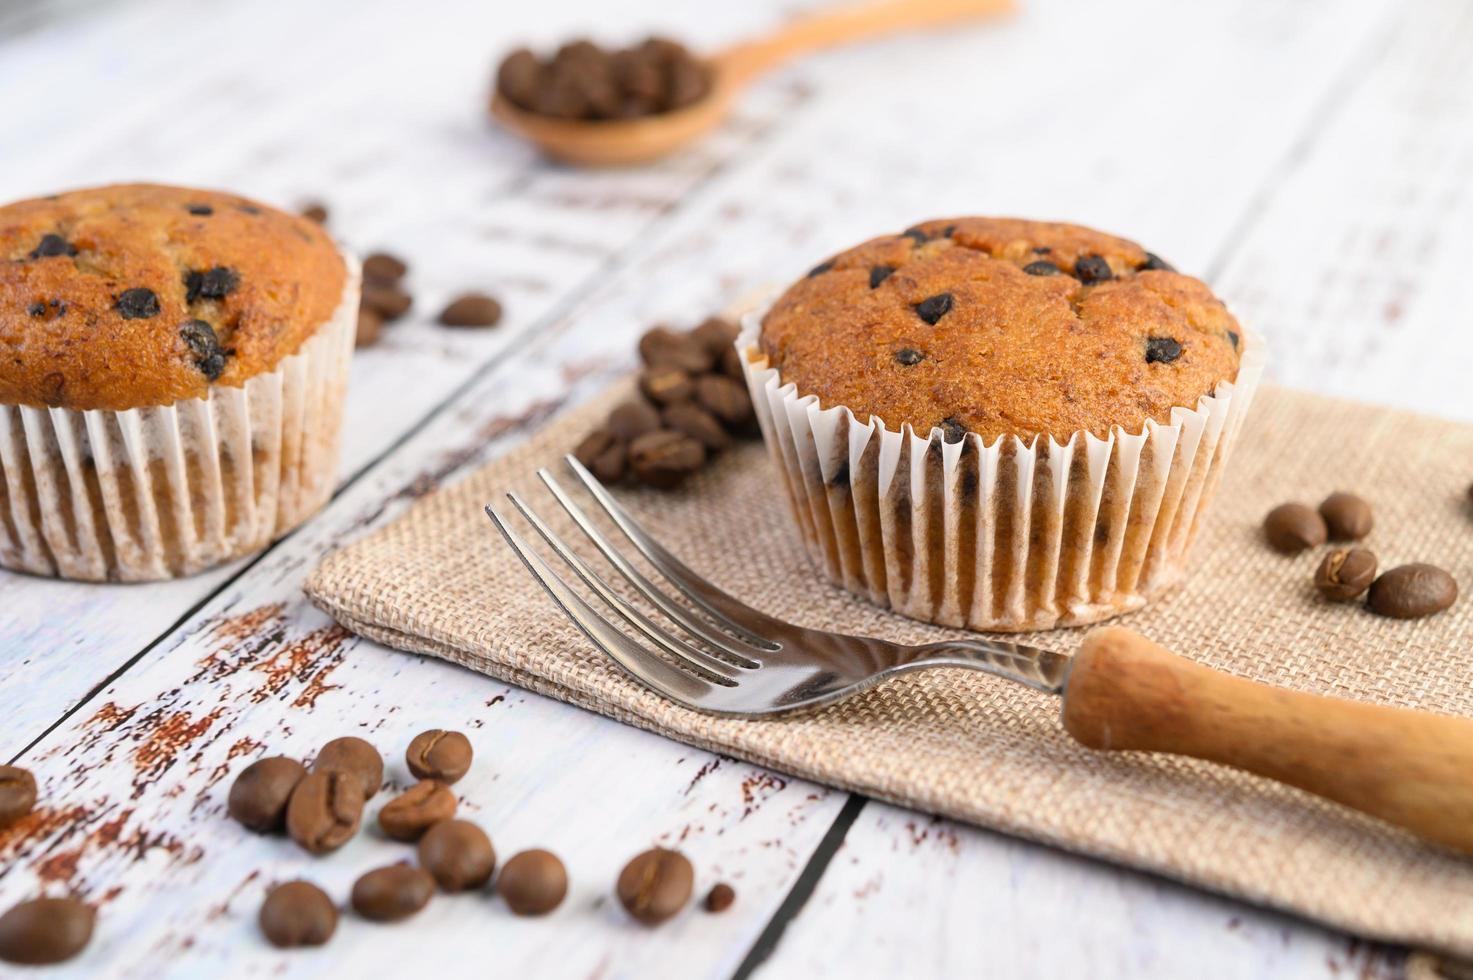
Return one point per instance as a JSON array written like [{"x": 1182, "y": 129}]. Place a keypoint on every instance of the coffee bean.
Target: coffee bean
[
  {"x": 297, "y": 913},
  {"x": 17, "y": 794},
  {"x": 370, "y": 328},
  {"x": 137, "y": 304},
  {"x": 205, "y": 347},
  {"x": 389, "y": 302},
  {"x": 724, "y": 398},
  {"x": 933, "y": 308},
  {"x": 315, "y": 212},
  {"x": 458, "y": 854},
  {"x": 909, "y": 356},
  {"x": 471, "y": 310},
  {"x": 1290, "y": 528},
  {"x": 1412, "y": 591},
  {"x": 1162, "y": 350},
  {"x": 324, "y": 810},
  {"x": 655, "y": 885},
  {"x": 1042, "y": 268},
  {"x": 1347, "y": 517},
  {"x": 716, "y": 334},
  {"x": 518, "y": 77},
  {"x": 407, "y": 816},
  {"x": 1154, "y": 261},
  {"x": 663, "y": 459},
  {"x": 45, "y": 930},
  {"x": 533, "y": 882},
  {"x": 720, "y": 898},
  {"x": 666, "y": 385},
  {"x": 605, "y": 455},
  {"x": 52, "y": 246},
  {"x": 593, "y": 444},
  {"x": 633, "y": 419},
  {"x": 1091, "y": 269},
  {"x": 879, "y": 273},
  {"x": 438, "y": 754},
  {"x": 200, "y": 210},
  {"x": 259, "y": 795},
  {"x": 731, "y": 364},
  {"x": 1345, "y": 573},
  {"x": 820, "y": 269},
  {"x": 353, "y": 755},
  {"x": 381, "y": 267},
  {"x": 663, "y": 347},
  {"x": 392, "y": 893},
  {"x": 216, "y": 283},
  {"x": 699, "y": 424}
]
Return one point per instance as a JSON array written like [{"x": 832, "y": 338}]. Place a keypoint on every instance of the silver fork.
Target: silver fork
[{"x": 1120, "y": 691}]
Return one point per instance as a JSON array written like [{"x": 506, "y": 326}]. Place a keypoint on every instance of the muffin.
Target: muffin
[
  {"x": 172, "y": 380},
  {"x": 1000, "y": 424}
]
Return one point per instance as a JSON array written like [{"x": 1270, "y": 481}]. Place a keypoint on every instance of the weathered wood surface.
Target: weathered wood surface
[{"x": 1284, "y": 148}]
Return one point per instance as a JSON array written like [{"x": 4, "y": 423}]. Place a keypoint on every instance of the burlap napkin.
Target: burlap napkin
[{"x": 441, "y": 581}]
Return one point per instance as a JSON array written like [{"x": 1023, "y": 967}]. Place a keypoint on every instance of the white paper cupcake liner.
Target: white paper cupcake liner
[
  {"x": 1004, "y": 537},
  {"x": 160, "y": 492}
]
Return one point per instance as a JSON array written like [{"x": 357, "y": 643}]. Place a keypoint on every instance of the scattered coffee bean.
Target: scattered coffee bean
[
  {"x": 1412, "y": 591},
  {"x": 879, "y": 273},
  {"x": 933, "y": 308},
  {"x": 52, "y": 246},
  {"x": 720, "y": 898},
  {"x": 384, "y": 268},
  {"x": 633, "y": 419},
  {"x": 297, "y": 913},
  {"x": 605, "y": 455},
  {"x": 1042, "y": 268},
  {"x": 666, "y": 385},
  {"x": 17, "y": 794},
  {"x": 259, "y": 795},
  {"x": 137, "y": 304},
  {"x": 716, "y": 334},
  {"x": 216, "y": 283},
  {"x": 200, "y": 210},
  {"x": 1162, "y": 350},
  {"x": 731, "y": 364},
  {"x": 324, "y": 810},
  {"x": 663, "y": 347},
  {"x": 1345, "y": 573},
  {"x": 1290, "y": 528},
  {"x": 354, "y": 755},
  {"x": 471, "y": 310},
  {"x": 205, "y": 347},
  {"x": 699, "y": 424},
  {"x": 438, "y": 754},
  {"x": 1347, "y": 517},
  {"x": 724, "y": 398},
  {"x": 1154, "y": 261},
  {"x": 663, "y": 459},
  {"x": 45, "y": 930},
  {"x": 655, "y": 885},
  {"x": 458, "y": 854},
  {"x": 370, "y": 328},
  {"x": 388, "y": 301},
  {"x": 407, "y": 816},
  {"x": 315, "y": 212},
  {"x": 533, "y": 882},
  {"x": 909, "y": 356},
  {"x": 392, "y": 893},
  {"x": 1092, "y": 269}
]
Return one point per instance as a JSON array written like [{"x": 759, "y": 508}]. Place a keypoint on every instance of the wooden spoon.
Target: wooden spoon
[{"x": 620, "y": 142}]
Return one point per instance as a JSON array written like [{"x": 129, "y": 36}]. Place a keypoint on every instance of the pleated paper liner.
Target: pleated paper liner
[
  {"x": 155, "y": 493},
  {"x": 1015, "y": 535}
]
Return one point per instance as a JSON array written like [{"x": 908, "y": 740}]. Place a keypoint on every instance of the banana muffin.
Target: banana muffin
[
  {"x": 999, "y": 423},
  {"x": 172, "y": 370}
]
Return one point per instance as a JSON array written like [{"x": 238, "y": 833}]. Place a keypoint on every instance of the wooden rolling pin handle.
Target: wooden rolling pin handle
[{"x": 1409, "y": 768}]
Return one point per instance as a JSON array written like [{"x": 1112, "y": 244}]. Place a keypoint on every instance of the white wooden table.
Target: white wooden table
[{"x": 1313, "y": 159}]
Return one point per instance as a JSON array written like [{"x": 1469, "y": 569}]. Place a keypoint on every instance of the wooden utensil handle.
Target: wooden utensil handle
[
  {"x": 1407, "y": 767},
  {"x": 848, "y": 23}
]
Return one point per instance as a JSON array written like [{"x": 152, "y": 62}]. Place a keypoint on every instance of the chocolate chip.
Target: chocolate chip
[
  {"x": 1041, "y": 250},
  {"x": 1345, "y": 574},
  {"x": 52, "y": 246},
  {"x": 655, "y": 885},
  {"x": 1232, "y": 336},
  {"x": 533, "y": 882},
  {"x": 1412, "y": 591},
  {"x": 720, "y": 897},
  {"x": 934, "y": 308},
  {"x": 1154, "y": 261},
  {"x": 202, "y": 342},
  {"x": 1162, "y": 350},
  {"x": 45, "y": 930},
  {"x": 354, "y": 755},
  {"x": 633, "y": 419},
  {"x": 17, "y": 794},
  {"x": 1347, "y": 517},
  {"x": 1042, "y": 268},
  {"x": 216, "y": 283},
  {"x": 247, "y": 209},
  {"x": 438, "y": 754},
  {"x": 458, "y": 854},
  {"x": 200, "y": 210},
  {"x": 259, "y": 795},
  {"x": 909, "y": 356},
  {"x": 383, "y": 267},
  {"x": 392, "y": 893},
  {"x": 697, "y": 423},
  {"x": 1092, "y": 269},
  {"x": 36, "y": 309},
  {"x": 407, "y": 816},
  {"x": 1291, "y": 528},
  {"x": 879, "y": 273},
  {"x": 137, "y": 304},
  {"x": 952, "y": 430},
  {"x": 663, "y": 459},
  {"x": 389, "y": 302},
  {"x": 916, "y": 235},
  {"x": 472, "y": 310},
  {"x": 820, "y": 269},
  {"x": 297, "y": 913}
]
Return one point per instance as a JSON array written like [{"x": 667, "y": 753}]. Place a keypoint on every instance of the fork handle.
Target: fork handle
[{"x": 1409, "y": 768}]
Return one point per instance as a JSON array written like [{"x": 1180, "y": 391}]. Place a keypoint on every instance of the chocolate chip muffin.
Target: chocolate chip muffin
[
  {"x": 174, "y": 365},
  {"x": 999, "y": 423}
]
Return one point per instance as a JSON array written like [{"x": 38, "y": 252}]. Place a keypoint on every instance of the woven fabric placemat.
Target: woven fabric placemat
[{"x": 440, "y": 580}]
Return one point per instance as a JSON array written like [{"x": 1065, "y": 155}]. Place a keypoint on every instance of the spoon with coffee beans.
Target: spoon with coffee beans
[{"x": 596, "y": 107}]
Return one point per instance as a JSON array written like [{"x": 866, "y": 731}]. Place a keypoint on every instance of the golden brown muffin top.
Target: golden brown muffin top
[
  {"x": 137, "y": 295},
  {"x": 1002, "y": 326}
]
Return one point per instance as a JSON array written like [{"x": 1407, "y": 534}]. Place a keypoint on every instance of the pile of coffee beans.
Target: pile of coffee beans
[
  {"x": 584, "y": 81},
  {"x": 1346, "y": 574},
  {"x": 41, "y": 930},
  {"x": 693, "y": 404}
]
